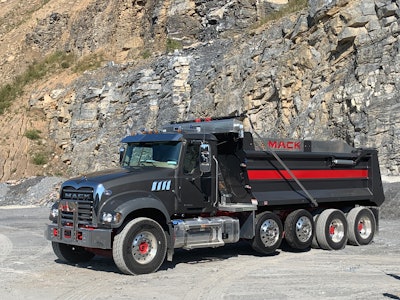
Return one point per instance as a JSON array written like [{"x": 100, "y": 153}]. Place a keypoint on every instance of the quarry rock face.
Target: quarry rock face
[{"x": 327, "y": 72}]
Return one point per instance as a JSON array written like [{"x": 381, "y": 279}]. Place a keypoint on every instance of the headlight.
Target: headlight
[
  {"x": 107, "y": 217},
  {"x": 54, "y": 212},
  {"x": 110, "y": 218}
]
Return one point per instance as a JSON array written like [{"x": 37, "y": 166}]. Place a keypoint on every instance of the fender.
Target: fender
[{"x": 132, "y": 201}]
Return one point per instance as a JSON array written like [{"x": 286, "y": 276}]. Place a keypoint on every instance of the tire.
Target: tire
[
  {"x": 362, "y": 226},
  {"x": 140, "y": 248},
  {"x": 70, "y": 253},
  {"x": 269, "y": 232},
  {"x": 314, "y": 243},
  {"x": 299, "y": 229},
  {"x": 331, "y": 229}
]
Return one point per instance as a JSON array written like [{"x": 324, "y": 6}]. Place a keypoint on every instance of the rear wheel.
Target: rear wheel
[
  {"x": 331, "y": 229},
  {"x": 140, "y": 248},
  {"x": 314, "y": 243},
  {"x": 269, "y": 232},
  {"x": 299, "y": 229},
  {"x": 362, "y": 226},
  {"x": 70, "y": 253}
]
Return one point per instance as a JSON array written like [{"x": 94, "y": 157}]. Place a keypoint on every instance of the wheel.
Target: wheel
[
  {"x": 314, "y": 243},
  {"x": 140, "y": 247},
  {"x": 362, "y": 226},
  {"x": 269, "y": 231},
  {"x": 331, "y": 229},
  {"x": 299, "y": 229},
  {"x": 70, "y": 253}
]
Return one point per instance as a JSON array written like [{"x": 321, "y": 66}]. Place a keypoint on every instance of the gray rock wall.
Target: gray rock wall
[{"x": 327, "y": 73}]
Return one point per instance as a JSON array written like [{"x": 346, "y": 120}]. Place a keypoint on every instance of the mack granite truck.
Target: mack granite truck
[{"x": 207, "y": 183}]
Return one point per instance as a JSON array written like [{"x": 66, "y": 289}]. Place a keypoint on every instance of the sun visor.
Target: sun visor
[{"x": 157, "y": 137}]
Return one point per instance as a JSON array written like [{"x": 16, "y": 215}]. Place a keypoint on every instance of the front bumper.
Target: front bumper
[{"x": 84, "y": 237}]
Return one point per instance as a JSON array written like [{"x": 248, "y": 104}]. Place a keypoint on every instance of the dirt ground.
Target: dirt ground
[{"x": 30, "y": 270}]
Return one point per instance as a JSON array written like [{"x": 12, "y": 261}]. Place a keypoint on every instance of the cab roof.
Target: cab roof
[
  {"x": 154, "y": 137},
  {"x": 167, "y": 137}
]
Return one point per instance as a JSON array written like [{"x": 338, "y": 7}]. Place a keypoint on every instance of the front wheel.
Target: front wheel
[
  {"x": 269, "y": 232},
  {"x": 70, "y": 253},
  {"x": 362, "y": 226},
  {"x": 140, "y": 248}
]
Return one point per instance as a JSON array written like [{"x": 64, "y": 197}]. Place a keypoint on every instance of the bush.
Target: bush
[
  {"x": 291, "y": 7},
  {"x": 39, "y": 158},
  {"x": 51, "y": 63},
  {"x": 8, "y": 93},
  {"x": 146, "y": 54},
  {"x": 172, "y": 45},
  {"x": 33, "y": 134},
  {"x": 90, "y": 62},
  {"x": 65, "y": 65},
  {"x": 35, "y": 71}
]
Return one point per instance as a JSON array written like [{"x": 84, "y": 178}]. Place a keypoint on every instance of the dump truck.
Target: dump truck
[{"x": 209, "y": 182}]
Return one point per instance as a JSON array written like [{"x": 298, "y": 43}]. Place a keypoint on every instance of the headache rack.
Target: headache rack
[
  {"x": 208, "y": 125},
  {"x": 234, "y": 124}
]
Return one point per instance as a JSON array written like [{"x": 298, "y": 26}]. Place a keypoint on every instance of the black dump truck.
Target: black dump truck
[{"x": 207, "y": 183}]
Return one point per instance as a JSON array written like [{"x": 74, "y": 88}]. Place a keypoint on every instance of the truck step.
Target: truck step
[
  {"x": 237, "y": 207},
  {"x": 204, "y": 245}
]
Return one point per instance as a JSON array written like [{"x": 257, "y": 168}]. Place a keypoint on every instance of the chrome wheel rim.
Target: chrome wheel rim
[
  {"x": 336, "y": 230},
  {"x": 303, "y": 229},
  {"x": 144, "y": 247},
  {"x": 269, "y": 233},
  {"x": 364, "y": 227}
]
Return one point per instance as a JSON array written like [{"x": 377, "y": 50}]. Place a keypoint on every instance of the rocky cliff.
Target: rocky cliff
[{"x": 328, "y": 71}]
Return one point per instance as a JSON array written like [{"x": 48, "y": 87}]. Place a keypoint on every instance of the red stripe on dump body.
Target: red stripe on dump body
[{"x": 307, "y": 174}]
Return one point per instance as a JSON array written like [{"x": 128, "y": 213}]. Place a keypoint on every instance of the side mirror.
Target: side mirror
[
  {"x": 205, "y": 158},
  {"x": 121, "y": 153}
]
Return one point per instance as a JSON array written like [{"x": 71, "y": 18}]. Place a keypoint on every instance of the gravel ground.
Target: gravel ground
[
  {"x": 33, "y": 191},
  {"x": 30, "y": 270},
  {"x": 390, "y": 209}
]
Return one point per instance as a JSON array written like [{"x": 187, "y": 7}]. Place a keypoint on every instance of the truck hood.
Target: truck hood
[{"x": 120, "y": 176}]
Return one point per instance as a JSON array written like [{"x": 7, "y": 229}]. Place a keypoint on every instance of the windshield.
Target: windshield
[{"x": 156, "y": 154}]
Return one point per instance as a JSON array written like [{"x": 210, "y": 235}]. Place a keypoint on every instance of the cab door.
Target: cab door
[{"x": 196, "y": 187}]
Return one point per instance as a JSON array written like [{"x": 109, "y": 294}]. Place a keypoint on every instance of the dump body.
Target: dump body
[{"x": 339, "y": 178}]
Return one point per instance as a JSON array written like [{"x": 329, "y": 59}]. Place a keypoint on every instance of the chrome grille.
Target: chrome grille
[{"x": 76, "y": 206}]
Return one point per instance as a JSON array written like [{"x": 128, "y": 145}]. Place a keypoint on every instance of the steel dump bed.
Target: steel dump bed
[{"x": 328, "y": 171}]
